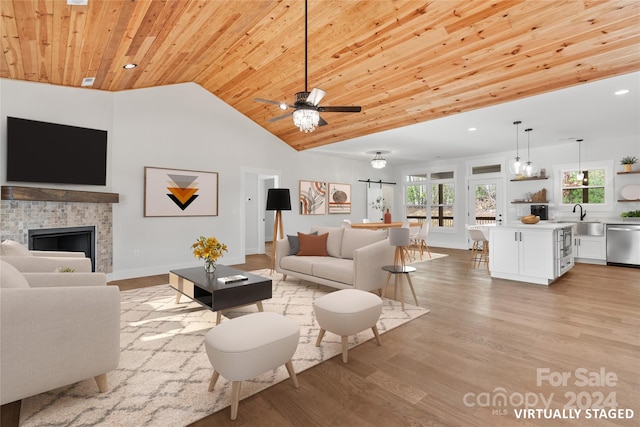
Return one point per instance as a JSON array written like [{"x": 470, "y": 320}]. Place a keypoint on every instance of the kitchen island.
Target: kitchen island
[{"x": 533, "y": 253}]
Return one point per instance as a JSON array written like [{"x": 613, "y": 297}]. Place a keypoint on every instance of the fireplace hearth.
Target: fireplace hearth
[{"x": 75, "y": 239}]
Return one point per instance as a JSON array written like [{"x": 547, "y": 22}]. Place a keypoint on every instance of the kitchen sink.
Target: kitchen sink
[{"x": 587, "y": 228}]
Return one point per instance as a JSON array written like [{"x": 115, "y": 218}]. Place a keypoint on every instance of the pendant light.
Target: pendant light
[
  {"x": 530, "y": 169},
  {"x": 580, "y": 174},
  {"x": 515, "y": 166}
]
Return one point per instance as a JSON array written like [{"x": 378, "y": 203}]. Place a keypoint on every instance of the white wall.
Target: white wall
[{"x": 182, "y": 127}]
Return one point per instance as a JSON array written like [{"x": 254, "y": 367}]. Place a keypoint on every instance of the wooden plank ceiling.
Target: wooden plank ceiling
[{"x": 404, "y": 62}]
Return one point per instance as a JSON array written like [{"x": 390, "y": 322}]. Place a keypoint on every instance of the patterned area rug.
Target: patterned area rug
[{"x": 164, "y": 371}]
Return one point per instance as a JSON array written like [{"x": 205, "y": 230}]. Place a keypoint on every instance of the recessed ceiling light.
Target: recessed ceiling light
[
  {"x": 621, "y": 92},
  {"x": 88, "y": 81},
  {"x": 129, "y": 66},
  {"x": 472, "y": 129}
]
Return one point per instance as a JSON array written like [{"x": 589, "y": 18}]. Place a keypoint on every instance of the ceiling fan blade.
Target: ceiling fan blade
[
  {"x": 284, "y": 116},
  {"x": 342, "y": 109},
  {"x": 267, "y": 101},
  {"x": 282, "y": 105},
  {"x": 316, "y": 96},
  {"x": 322, "y": 122}
]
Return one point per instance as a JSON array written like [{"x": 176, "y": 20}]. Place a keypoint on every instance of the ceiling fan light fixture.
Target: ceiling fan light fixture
[
  {"x": 306, "y": 119},
  {"x": 378, "y": 162}
]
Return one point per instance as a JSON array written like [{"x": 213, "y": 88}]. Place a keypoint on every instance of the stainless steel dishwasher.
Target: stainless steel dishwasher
[{"x": 623, "y": 244}]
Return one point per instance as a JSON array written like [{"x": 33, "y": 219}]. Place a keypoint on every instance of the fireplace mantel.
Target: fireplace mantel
[{"x": 53, "y": 195}]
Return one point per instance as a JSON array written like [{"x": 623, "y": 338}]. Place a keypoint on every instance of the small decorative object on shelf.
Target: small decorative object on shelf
[
  {"x": 209, "y": 249},
  {"x": 628, "y": 162},
  {"x": 387, "y": 217}
]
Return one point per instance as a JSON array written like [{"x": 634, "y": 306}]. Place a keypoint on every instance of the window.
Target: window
[
  {"x": 416, "y": 197},
  {"x": 432, "y": 194},
  {"x": 595, "y": 189},
  {"x": 590, "y": 190},
  {"x": 442, "y": 198}
]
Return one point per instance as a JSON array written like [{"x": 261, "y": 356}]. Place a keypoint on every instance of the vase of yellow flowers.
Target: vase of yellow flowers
[{"x": 209, "y": 249}]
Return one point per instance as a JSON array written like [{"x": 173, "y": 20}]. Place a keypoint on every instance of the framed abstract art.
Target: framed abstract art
[
  {"x": 313, "y": 195},
  {"x": 339, "y": 196},
  {"x": 176, "y": 192}
]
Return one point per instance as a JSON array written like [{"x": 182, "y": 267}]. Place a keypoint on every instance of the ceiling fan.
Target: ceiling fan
[{"x": 306, "y": 108}]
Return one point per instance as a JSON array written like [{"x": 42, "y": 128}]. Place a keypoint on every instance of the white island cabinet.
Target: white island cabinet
[{"x": 527, "y": 253}]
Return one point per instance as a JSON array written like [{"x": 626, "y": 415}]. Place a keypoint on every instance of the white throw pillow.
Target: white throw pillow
[{"x": 13, "y": 248}]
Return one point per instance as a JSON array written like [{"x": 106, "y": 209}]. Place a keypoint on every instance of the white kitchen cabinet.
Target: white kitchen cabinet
[
  {"x": 525, "y": 253},
  {"x": 591, "y": 249}
]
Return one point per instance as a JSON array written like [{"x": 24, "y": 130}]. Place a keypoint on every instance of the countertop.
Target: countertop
[{"x": 542, "y": 225}]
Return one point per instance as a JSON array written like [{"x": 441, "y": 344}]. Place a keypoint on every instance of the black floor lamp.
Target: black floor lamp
[{"x": 278, "y": 199}]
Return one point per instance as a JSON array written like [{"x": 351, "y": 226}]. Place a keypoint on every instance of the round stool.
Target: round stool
[
  {"x": 242, "y": 348},
  {"x": 347, "y": 312}
]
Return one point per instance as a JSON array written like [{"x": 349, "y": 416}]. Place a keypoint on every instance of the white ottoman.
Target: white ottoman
[
  {"x": 247, "y": 346},
  {"x": 347, "y": 312}
]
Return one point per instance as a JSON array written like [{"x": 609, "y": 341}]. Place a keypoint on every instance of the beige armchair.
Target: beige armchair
[
  {"x": 28, "y": 261},
  {"x": 55, "y": 329}
]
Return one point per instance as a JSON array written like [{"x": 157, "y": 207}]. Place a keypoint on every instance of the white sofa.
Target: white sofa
[
  {"x": 55, "y": 329},
  {"x": 355, "y": 259},
  {"x": 28, "y": 261}
]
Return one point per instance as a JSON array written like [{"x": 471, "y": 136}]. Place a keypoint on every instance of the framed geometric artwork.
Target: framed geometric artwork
[
  {"x": 313, "y": 195},
  {"x": 175, "y": 192},
  {"x": 339, "y": 198}
]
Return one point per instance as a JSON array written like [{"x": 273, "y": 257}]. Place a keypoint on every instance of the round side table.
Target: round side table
[{"x": 398, "y": 272}]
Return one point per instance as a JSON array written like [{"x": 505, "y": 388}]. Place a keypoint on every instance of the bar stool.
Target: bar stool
[{"x": 480, "y": 248}]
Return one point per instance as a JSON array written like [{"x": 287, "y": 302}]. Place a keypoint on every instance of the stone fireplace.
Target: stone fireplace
[
  {"x": 74, "y": 239},
  {"x": 18, "y": 216}
]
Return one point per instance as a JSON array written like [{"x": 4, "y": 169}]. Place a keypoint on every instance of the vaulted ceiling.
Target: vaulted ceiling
[{"x": 404, "y": 62}]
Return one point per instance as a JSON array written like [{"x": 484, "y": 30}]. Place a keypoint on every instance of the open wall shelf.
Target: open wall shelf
[{"x": 535, "y": 178}]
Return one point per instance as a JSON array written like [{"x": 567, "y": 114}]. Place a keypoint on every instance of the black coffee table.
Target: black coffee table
[{"x": 207, "y": 290}]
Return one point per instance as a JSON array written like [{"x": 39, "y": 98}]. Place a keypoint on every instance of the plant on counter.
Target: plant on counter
[
  {"x": 628, "y": 160},
  {"x": 630, "y": 214}
]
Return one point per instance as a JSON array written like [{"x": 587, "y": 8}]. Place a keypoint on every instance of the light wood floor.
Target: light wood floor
[{"x": 481, "y": 334}]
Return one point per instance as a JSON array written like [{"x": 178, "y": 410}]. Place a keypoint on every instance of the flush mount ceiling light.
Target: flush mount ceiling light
[
  {"x": 515, "y": 166},
  {"x": 129, "y": 66},
  {"x": 77, "y": 2},
  {"x": 378, "y": 162},
  {"x": 529, "y": 169},
  {"x": 621, "y": 92}
]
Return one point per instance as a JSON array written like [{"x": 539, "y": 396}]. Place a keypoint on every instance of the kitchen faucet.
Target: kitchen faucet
[{"x": 582, "y": 215}]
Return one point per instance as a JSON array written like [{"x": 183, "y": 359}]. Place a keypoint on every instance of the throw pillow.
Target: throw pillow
[
  {"x": 12, "y": 248},
  {"x": 311, "y": 245},
  {"x": 294, "y": 243}
]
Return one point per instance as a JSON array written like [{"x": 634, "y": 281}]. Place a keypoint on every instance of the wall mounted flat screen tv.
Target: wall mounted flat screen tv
[{"x": 55, "y": 153}]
